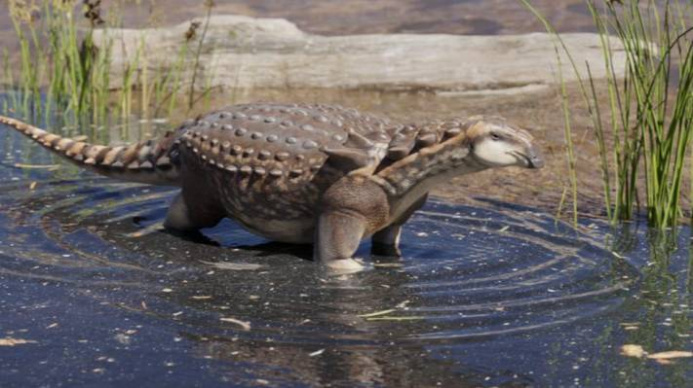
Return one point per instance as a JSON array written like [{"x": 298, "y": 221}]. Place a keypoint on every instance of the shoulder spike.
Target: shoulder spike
[
  {"x": 426, "y": 140},
  {"x": 356, "y": 140},
  {"x": 347, "y": 159},
  {"x": 400, "y": 151}
]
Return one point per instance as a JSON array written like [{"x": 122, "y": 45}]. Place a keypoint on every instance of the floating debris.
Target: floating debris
[
  {"x": 155, "y": 227},
  {"x": 388, "y": 265},
  {"x": 123, "y": 339},
  {"x": 243, "y": 324},
  {"x": 317, "y": 353},
  {"x": 637, "y": 351},
  {"x": 412, "y": 318},
  {"x": 38, "y": 166},
  {"x": 618, "y": 255},
  {"x": 14, "y": 341},
  {"x": 402, "y": 305},
  {"x": 233, "y": 266},
  {"x": 377, "y": 313},
  {"x": 633, "y": 351},
  {"x": 670, "y": 355}
]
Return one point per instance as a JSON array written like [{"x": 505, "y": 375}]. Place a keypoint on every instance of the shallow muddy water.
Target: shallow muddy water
[{"x": 487, "y": 294}]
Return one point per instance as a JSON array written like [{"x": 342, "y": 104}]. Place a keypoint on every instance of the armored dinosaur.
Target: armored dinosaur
[{"x": 317, "y": 174}]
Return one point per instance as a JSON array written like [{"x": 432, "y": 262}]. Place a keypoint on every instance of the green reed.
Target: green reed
[
  {"x": 61, "y": 69},
  {"x": 643, "y": 130},
  {"x": 661, "y": 114}
]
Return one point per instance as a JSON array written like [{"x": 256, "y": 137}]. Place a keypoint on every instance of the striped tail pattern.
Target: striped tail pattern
[{"x": 151, "y": 162}]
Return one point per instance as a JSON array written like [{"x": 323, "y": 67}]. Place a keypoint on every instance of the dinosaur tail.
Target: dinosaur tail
[{"x": 151, "y": 162}]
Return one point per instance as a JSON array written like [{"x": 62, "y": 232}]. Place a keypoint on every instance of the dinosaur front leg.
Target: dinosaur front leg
[
  {"x": 386, "y": 241},
  {"x": 351, "y": 209},
  {"x": 338, "y": 238}
]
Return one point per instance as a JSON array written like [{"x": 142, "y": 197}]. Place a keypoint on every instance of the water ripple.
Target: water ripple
[{"x": 468, "y": 273}]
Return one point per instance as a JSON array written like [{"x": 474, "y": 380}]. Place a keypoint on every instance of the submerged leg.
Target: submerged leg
[
  {"x": 386, "y": 241},
  {"x": 182, "y": 217},
  {"x": 351, "y": 209},
  {"x": 338, "y": 238}
]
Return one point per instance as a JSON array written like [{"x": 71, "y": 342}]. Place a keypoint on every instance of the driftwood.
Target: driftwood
[{"x": 244, "y": 52}]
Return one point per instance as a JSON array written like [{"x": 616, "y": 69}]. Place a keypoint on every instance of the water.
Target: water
[{"x": 487, "y": 294}]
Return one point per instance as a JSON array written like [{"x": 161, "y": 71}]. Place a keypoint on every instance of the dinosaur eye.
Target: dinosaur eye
[{"x": 495, "y": 136}]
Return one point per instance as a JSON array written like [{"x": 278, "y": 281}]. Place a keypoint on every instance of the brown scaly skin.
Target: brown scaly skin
[{"x": 303, "y": 173}]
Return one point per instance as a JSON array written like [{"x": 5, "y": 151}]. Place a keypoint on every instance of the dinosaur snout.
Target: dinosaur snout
[{"x": 534, "y": 158}]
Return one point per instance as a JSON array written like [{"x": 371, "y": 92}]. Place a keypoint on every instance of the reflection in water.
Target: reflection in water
[
  {"x": 663, "y": 321},
  {"x": 486, "y": 295}
]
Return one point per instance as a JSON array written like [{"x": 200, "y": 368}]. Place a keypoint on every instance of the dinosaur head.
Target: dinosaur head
[{"x": 496, "y": 143}]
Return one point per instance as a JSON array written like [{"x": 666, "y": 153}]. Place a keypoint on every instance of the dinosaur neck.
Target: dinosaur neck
[{"x": 410, "y": 178}]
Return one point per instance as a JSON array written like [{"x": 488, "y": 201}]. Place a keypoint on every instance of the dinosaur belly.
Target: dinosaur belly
[
  {"x": 297, "y": 231},
  {"x": 278, "y": 211}
]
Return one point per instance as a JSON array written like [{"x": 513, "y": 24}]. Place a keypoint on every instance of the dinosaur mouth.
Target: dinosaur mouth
[
  {"x": 530, "y": 159},
  {"x": 534, "y": 161}
]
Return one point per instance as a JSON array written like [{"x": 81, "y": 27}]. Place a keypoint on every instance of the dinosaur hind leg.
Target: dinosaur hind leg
[
  {"x": 386, "y": 241},
  {"x": 182, "y": 217}
]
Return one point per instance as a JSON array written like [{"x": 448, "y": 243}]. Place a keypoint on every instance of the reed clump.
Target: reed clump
[
  {"x": 644, "y": 129},
  {"x": 61, "y": 70}
]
